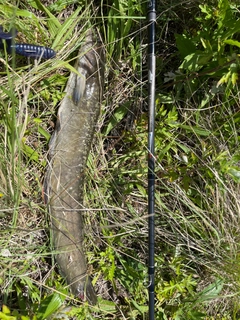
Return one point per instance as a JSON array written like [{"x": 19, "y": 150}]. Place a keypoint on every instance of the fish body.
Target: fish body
[{"x": 68, "y": 150}]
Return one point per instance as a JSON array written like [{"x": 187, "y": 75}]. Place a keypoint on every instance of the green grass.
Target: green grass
[{"x": 197, "y": 162}]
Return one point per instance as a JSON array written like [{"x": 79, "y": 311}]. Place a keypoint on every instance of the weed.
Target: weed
[{"x": 197, "y": 157}]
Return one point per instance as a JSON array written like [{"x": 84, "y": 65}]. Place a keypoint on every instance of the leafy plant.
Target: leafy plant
[
  {"x": 46, "y": 310},
  {"x": 121, "y": 15},
  {"x": 197, "y": 162},
  {"x": 209, "y": 52}
]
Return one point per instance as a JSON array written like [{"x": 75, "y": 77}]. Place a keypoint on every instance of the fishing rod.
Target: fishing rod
[
  {"x": 151, "y": 17},
  {"x": 24, "y": 49}
]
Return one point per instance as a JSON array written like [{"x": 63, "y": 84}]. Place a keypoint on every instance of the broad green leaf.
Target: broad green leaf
[
  {"x": 37, "y": 120},
  {"x": 235, "y": 173},
  {"x": 142, "y": 309},
  {"x": 164, "y": 99},
  {"x": 195, "y": 315},
  {"x": 59, "y": 5},
  {"x": 106, "y": 305},
  {"x": 224, "y": 79},
  {"x": 127, "y": 25},
  {"x": 41, "y": 130},
  {"x": 50, "y": 305},
  {"x": 233, "y": 27},
  {"x": 185, "y": 45},
  {"x": 224, "y": 13},
  {"x": 210, "y": 292},
  {"x": 195, "y": 61},
  {"x": 29, "y": 152},
  {"x": 183, "y": 147},
  {"x": 112, "y": 271},
  {"x": 206, "y": 44},
  {"x": 44, "y": 133},
  {"x": 197, "y": 130},
  {"x": 142, "y": 190},
  {"x": 207, "y": 10},
  {"x": 118, "y": 115},
  {"x": 4, "y": 316},
  {"x": 234, "y": 78},
  {"x": 232, "y": 42},
  {"x": 205, "y": 100},
  {"x": 5, "y": 309}
]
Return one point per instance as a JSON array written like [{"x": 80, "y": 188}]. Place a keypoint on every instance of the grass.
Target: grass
[{"x": 197, "y": 151}]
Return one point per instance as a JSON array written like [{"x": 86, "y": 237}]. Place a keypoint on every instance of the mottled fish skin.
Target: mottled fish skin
[{"x": 68, "y": 151}]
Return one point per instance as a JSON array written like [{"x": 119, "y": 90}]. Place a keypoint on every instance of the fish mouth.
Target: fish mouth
[{"x": 83, "y": 290}]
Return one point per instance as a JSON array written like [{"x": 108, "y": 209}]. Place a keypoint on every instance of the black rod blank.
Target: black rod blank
[{"x": 151, "y": 17}]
